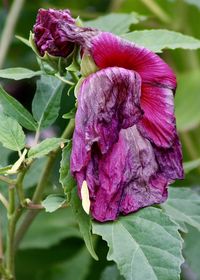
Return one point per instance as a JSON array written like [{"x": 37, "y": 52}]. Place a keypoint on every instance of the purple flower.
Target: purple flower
[
  {"x": 125, "y": 144},
  {"x": 48, "y": 35}
]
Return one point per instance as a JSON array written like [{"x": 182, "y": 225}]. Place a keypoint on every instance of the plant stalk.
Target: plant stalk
[
  {"x": 8, "y": 30},
  {"x": 37, "y": 196}
]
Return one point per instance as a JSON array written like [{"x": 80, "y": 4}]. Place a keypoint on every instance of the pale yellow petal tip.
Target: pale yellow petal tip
[{"x": 85, "y": 197}]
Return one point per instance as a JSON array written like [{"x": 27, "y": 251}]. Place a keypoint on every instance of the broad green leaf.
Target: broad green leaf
[
  {"x": 191, "y": 165},
  {"x": 46, "y": 102},
  {"x": 76, "y": 268},
  {"x": 53, "y": 202},
  {"x": 45, "y": 147},
  {"x": 33, "y": 174},
  {"x": 49, "y": 229},
  {"x": 183, "y": 206},
  {"x": 187, "y": 101},
  {"x": 115, "y": 23},
  {"x": 4, "y": 155},
  {"x": 18, "y": 73},
  {"x": 14, "y": 109},
  {"x": 11, "y": 133},
  {"x": 84, "y": 223},
  {"x": 66, "y": 179},
  {"x": 191, "y": 249},
  {"x": 145, "y": 245},
  {"x": 111, "y": 272},
  {"x": 159, "y": 39}
]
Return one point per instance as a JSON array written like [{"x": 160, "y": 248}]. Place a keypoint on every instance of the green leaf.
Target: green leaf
[
  {"x": 111, "y": 272},
  {"x": 115, "y": 23},
  {"x": 145, "y": 245},
  {"x": 191, "y": 249},
  {"x": 45, "y": 147},
  {"x": 66, "y": 179},
  {"x": 11, "y": 133},
  {"x": 84, "y": 222},
  {"x": 14, "y": 109},
  {"x": 187, "y": 105},
  {"x": 183, "y": 205},
  {"x": 53, "y": 202},
  {"x": 18, "y": 73},
  {"x": 191, "y": 165},
  {"x": 49, "y": 229},
  {"x": 3, "y": 170},
  {"x": 33, "y": 174},
  {"x": 46, "y": 102},
  {"x": 159, "y": 39},
  {"x": 4, "y": 155},
  {"x": 77, "y": 267}
]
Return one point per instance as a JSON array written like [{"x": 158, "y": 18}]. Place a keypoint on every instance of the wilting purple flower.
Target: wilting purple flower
[
  {"x": 48, "y": 35},
  {"x": 125, "y": 144}
]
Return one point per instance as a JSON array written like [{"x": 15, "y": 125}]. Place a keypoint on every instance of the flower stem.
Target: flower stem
[
  {"x": 8, "y": 30},
  {"x": 37, "y": 196}
]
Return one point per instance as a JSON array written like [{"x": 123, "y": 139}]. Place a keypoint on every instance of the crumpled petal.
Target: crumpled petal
[
  {"x": 108, "y": 101},
  {"x": 170, "y": 160},
  {"x": 124, "y": 179},
  {"x": 158, "y": 123},
  {"x": 48, "y": 35}
]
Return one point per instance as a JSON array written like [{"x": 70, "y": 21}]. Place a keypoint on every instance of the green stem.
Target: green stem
[
  {"x": 8, "y": 30},
  {"x": 19, "y": 186},
  {"x": 37, "y": 196},
  {"x": 11, "y": 232},
  {"x": 74, "y": 77},
  {"x": 7, "y": 180},
  {"x": 4, "y": 201}
]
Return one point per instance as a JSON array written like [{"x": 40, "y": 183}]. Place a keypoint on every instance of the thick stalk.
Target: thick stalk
[
  {"x": 8, "y": 30},
  {"x": 37, "y": 196}
]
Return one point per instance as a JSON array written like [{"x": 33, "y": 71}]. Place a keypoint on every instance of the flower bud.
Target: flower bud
[{"x": 48, "y": 35}]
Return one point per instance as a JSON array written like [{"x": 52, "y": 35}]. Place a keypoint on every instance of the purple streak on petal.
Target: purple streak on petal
[
  {"x": 48, "y": 35},
  {"x": 158, "y": 122},
  {"x": 108, "y": 101},
  {"x": 170, "y": 160},
  {"x": 109, "y": 50}
]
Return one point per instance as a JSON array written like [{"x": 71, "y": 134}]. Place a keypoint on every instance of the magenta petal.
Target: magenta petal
[
  {"x": 158, "y": 122},
  {"x": 170, "y": 160},
  {"x": 109, "y": 50},
  {"x": 108, "y": 101}
]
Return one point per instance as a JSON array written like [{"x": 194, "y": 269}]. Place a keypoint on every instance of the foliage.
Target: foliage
[{"x": 63, "y": 242}]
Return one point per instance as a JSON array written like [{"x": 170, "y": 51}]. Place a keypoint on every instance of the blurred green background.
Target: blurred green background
[{"x": 49, "y": 249}]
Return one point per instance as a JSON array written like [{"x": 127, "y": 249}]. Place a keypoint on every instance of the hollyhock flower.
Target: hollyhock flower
[
  {"x": 47, "y": 34},
  {"x": 125, "y": 146}
]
